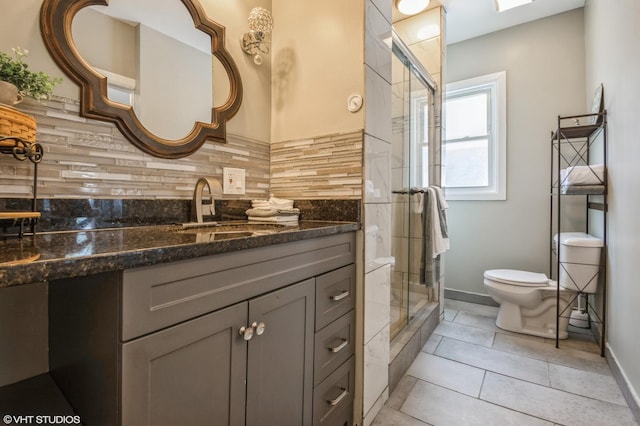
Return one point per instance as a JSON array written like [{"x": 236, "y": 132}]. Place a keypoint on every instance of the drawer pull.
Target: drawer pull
[
  {"x": 340, "y": 296},
  {"x": 340, "y": 347},
  {"x": 334, "y": 402}
]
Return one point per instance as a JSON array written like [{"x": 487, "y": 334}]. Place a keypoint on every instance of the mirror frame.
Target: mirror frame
[{"x": 56, "y": 18}]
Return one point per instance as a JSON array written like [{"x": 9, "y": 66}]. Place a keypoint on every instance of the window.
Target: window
[{"x": 475, "y": 148}]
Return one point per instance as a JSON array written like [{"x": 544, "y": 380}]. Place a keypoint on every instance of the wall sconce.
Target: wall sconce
[{"x": 256, "y": 41}]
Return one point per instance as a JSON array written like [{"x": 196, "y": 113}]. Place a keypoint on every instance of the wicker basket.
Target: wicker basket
[{"x": 14, "y": 123}]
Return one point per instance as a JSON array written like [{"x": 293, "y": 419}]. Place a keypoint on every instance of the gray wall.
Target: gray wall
[
  {"x": 544, "y": 61},
  {"x": 105, "y": 42},
  {"x": 612, "y": 40}
]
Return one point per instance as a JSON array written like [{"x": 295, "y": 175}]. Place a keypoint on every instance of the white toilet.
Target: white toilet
[{"x": 528, "y": 299}]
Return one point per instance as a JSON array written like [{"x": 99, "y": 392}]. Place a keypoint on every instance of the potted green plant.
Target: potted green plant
[{"x": 14, "y": 71}]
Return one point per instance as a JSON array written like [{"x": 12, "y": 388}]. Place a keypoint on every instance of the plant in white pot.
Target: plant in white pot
[{"x": 17, "y": 80}]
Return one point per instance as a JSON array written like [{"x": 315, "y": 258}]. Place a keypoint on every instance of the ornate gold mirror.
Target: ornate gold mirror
[{"x": 147, "y": 66}]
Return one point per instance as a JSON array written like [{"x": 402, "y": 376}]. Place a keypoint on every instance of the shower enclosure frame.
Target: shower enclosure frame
[{"x": 420, "y": 154}]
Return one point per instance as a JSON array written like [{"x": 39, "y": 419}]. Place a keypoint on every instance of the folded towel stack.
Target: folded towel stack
[
  {"x": 273, "y": 210},
  {"x": 583, "y": 175}
]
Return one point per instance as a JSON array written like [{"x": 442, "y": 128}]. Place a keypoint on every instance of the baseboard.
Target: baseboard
[
  {"x": 467, "y": 296},
  {"x": 627, "y": 391}
]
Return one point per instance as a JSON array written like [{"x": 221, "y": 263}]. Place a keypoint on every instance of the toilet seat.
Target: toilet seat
[{"x": 517, "y": 278}]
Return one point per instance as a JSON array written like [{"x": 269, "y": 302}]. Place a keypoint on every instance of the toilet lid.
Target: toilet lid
[{"x": 522, "y": 278}]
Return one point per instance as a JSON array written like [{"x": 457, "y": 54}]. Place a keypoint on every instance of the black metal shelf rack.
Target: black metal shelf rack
[
  {"x": 574, "y": 145},
  {"x": 22, "y": 150}
]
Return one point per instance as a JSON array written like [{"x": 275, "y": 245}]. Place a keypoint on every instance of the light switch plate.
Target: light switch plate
[{"x": 233, "y": 181}]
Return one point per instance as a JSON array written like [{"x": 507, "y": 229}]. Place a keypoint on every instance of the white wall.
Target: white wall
[
  {"x": 544, "y": 61},
  {"x": 317, "y": 62},
  {"x": 612, "y": 40},
  {"x": 167, "y": 109}
]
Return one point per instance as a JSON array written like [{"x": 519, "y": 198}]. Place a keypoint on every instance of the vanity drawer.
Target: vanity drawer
[
  {"x": 162, "y": 295},
  {"x": 334, "y": 344},
  {"x": 335, "y": 293},
  {"x": 333, "y": 398}
]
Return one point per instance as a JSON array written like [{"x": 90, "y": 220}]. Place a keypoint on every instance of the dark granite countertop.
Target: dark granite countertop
[{"x": 55, "y": 255}]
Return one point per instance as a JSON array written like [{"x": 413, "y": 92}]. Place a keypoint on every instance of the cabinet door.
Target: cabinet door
[
  {"x": 190, "y": 374},
  {"x": 280, "y": 360}
]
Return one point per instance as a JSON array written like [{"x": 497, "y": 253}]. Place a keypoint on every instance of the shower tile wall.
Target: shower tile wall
[
  {"x": 400, "y": 202},
  {"x": 377, "y": 206},
  {"x": 407, "y": 242}
]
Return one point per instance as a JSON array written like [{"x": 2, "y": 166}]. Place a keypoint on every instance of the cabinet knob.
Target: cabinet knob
[
  {"x": 246, "y": 332},
  {"x": 259, "y": 327}
]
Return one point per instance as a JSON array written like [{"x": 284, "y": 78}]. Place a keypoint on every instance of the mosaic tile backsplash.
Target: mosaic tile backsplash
[
  {"x": 86, "y": 158},
  {"x": 327, "y": 167},
  {"x": 92, "y": 177}
]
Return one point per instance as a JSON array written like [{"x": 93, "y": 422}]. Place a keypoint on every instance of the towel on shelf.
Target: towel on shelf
[
  {"x": 582, "y": 189},
  {"x": 257, "y": 212},
  {"x": 272, "y": 203},
  {"x": 274, "y": 209},
  {"x": 434, "y": 233},
  {"x": 582, "y": 175}
]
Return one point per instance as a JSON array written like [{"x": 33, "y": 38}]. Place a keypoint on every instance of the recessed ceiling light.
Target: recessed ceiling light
[
  {"x": 502, "y": 5},
  {"x": 411, "y": 7}
]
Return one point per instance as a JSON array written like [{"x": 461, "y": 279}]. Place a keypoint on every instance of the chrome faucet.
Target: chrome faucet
[{"x": 205, "y": 206}]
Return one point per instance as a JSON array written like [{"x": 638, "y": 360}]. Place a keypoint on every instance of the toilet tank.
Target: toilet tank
[{"x": 579, "y": 260}]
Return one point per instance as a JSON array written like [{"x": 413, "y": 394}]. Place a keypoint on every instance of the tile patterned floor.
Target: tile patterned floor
[{"x": 472, "y": 373}]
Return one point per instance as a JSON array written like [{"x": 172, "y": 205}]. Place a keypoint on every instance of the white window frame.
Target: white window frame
[
  {"x": 120, "y": 88},
  {"x": 496, "y": 84},
  {"x": 420, "y": 134}
]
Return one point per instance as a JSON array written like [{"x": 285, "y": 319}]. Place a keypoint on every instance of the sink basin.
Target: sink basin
[
  {"x": 225, "y": 230},
  {"x": 190, "y": 225},
  {"x": 203, "y": 237}
]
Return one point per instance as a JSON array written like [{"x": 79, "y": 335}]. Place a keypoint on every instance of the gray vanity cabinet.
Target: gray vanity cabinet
[
  {"x": 187, "y": 374},
  {"x": 196, "y": 371},
  {"x": 242, "y": 338},
  {"x": 280, "y": 361}
]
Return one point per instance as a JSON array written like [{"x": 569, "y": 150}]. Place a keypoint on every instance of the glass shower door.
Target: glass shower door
[{"x": 412, "y": 126}]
